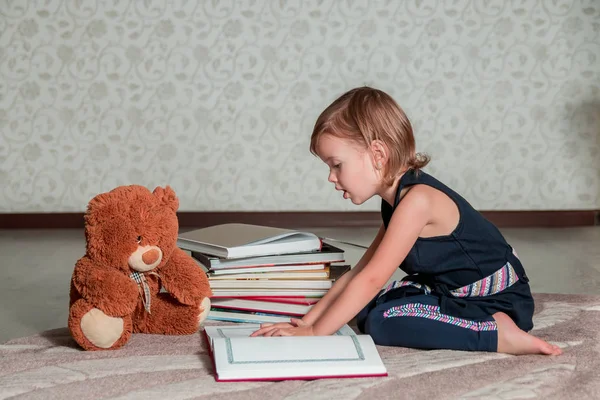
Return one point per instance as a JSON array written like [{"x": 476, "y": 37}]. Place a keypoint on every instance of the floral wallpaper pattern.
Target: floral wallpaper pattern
[{"x": 218, "y": 98}]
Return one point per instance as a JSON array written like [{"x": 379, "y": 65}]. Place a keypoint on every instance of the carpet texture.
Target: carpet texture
[{"x": 50, "y": 366}]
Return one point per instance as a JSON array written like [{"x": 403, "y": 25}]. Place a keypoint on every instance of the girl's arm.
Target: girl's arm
[
  {"x": 407, "y": 222},
  {"x": 337, "y": 288}
]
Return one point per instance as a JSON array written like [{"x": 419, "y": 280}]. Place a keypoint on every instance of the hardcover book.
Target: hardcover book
[
  {"x": 239, "y": 357},
  {"x": 237, "y": 240},
  {"x": 327, "y": 254}
]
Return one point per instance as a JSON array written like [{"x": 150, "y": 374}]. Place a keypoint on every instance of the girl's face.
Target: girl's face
[{"x": 351, "y": 168}]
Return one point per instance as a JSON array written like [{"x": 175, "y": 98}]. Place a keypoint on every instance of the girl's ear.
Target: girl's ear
[{"x": 380, "y": 153}]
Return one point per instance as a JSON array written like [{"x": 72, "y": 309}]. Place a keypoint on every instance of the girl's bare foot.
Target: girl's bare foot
[{"x": 513, "y": 340}]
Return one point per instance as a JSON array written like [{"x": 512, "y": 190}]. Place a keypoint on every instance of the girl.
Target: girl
[{"x": 465, "y": 289}]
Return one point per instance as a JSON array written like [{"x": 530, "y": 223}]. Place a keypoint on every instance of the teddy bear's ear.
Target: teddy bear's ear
[
  {"x": 167, "y": 196},
  {"x": 98, "y": 207}
]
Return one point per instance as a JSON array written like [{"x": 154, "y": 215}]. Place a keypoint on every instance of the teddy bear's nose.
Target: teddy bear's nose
[{"x": 150, "y": 256}]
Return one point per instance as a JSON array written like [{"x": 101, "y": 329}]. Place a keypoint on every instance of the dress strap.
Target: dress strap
[{"x": 403, "y": 181}]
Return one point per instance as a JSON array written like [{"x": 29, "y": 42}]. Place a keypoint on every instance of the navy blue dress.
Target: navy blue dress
[{"x": 454, "y": 284}]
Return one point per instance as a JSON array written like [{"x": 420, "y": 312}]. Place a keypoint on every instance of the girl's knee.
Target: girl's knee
[{"x": 382, "y": 332}]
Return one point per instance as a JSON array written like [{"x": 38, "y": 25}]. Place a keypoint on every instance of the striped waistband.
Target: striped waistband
[{"x": 492, "y": 284}]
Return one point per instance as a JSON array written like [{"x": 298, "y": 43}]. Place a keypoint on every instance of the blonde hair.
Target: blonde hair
[{"x": 365, "y": 114}]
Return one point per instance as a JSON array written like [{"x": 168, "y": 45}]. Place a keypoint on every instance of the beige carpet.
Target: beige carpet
[{"x": 49, "y": 366}]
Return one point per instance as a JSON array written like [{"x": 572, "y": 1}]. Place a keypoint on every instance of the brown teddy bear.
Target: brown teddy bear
[{"x": 131, "y": 254}]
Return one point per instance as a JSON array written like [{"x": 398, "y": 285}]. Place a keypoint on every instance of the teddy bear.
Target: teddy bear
[{"x": 133, "y": 278}]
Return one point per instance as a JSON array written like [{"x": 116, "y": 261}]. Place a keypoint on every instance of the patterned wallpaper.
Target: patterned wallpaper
[{"x": 218, "y": 98}]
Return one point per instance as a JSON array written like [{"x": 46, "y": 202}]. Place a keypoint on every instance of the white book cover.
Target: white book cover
[
  {"x": 245, "y": 330},
  {"x": 272, "y": 273},
  {"x": 237, "y": 240},
  {"x": 296, "y": 284},
  {"x": 218, "y": 292},
  {"x": 270, "y": 268},
  {"x": 238, "y": 357}
]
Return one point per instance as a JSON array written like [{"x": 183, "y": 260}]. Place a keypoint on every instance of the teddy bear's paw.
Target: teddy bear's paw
[
  {"x": 100, "y": 329},
  {"x": 205, "y": 307}
]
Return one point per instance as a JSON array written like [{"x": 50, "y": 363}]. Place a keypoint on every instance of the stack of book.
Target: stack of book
[{"x": 263, "y": 274}]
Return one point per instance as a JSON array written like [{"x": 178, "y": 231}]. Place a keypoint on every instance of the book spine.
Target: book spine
[
  {"x": 202, "y": 258},
  {"x": 311, "y": 377}
]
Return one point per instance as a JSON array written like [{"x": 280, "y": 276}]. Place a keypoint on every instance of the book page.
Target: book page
[
  {"x": 284, "y": 238},
  {"x": 234, "y": 234}
]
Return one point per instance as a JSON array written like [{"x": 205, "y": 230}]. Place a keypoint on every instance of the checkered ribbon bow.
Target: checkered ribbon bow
[{"x": 142, "y": 283}]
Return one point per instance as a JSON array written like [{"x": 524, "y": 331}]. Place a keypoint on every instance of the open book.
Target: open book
[
  {"x": 238, "y": 357},
  {"x": 244, "y": 240},
  {"x": 326, "y": 254}
]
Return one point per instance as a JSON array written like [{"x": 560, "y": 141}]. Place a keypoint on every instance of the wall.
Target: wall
[{"x": 218, "y": 98}]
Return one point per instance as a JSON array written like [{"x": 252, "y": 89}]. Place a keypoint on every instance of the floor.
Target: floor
[{"x": 36, "y": 267}]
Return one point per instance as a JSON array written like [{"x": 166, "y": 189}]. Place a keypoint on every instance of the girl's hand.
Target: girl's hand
[
  {"x": 270, "y": 329},
  {"x": 295, "y": 331}
]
